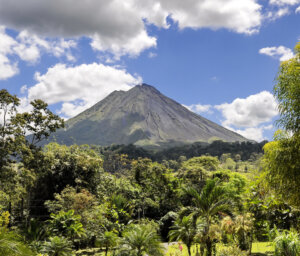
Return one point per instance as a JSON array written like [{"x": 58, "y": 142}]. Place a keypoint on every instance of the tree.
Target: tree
[
  {"x": 287, "y": 92},
  {"x": 108, "y": 239},
  {"x": 57, "y": 246},
  {"x": 66, "y": 224},
  {"x": 212, "y": 200},
  {"x": 140, "y": 240},
  {"x": 282, "y": 156},
  {"x": 76, "y": 166},
  {"x": 184, "y": 230},
  {"x": 282, "y": 165},
  {"x": 197, "y": 168},
  {"x": 20, "y": 154},
  {"x": 39, "y": 123},
  {"x": 8, "y": 109}
]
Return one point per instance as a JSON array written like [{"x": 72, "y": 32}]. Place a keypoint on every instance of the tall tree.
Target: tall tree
[
  {"x": 282, "y": 156},
  {"x": 212, "y": 200},
  {"x": 184, "y": 230},
  {"x": 8, "y": 109},
  {"x": 141, "y": 240},
  {"x": 287, "y": 92}
]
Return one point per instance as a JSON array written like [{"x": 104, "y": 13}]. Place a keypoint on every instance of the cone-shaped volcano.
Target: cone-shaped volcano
[{"x": 141, "y": 116}]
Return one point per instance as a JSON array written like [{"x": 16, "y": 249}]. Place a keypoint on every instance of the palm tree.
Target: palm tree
[
  {"x": 140, "y": 240},
  {"x": 212, "y": 200},
  {"x": 57, "y": 246},
  {"x": 184, "y": 230},
  {"x": 108, "y": 239}
]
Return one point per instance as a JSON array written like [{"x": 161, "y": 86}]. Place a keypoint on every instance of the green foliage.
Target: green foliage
[
  {"x": 197, "y": 169},
  {"x": 157, "y": 188},
  {"x": 282, "y": 156},
  {"x": 184, "y": 229},
  {"x": 70, "y": 199},
  {"x": 57, "y": 246},
  {"x": 282, "y": 164},
  {"x": 10, "y": 242},
  {"x": 12, "y": 245},
  {"x": 287, "y": 92},
  {"x": 213, "y": 200},
  {"x": 66, "y": 224},
  {"x": 139, "y": 240},
  {"x": 8, "y": 130},
  {"x": 287, "y": 243},
  {"x": 76, "y": 166},
  {"x": 40, "y": 123},
  {"x": 108, "y": 240},
  {"x": 230, "y": 250}
]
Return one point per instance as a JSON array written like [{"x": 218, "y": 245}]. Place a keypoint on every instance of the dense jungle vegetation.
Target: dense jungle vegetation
[{"x": 200, "y": 199}]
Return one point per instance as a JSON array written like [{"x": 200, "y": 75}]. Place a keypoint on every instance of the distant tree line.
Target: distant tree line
[{"x": 246, "y": 150}]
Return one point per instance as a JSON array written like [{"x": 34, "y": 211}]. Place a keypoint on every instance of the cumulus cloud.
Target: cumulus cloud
[
  {"x": 198, "y": 108},
  {"x": 238, "y": 16},
  {"x": 284, "y": 2},
  {"x": 252, "y": 133},
  {"x": 118, "y": 26},
  {"x": 79, "y": 87},
  {"x": 28, "y": 48},
  {"x": 7, "y": 67},
  {"x": 282, "y": 53},
  {"x": 297, "y": 10},
  {"x": 132, "y": 47},
  {"x": 113, "y": 25},
  {"x": 249, "y": 112}
]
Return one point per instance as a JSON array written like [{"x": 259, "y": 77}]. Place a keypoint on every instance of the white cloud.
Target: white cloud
[
  {"x": 198, "y": 108},
  {"x": 297, "y": 10},
  {"x": 236, "y": 15},
  {"x": 280, "y": 13},
  {"x": 24, "y": 89},
  {"x": 249, "y": 112},
  {"x": 252, "y": 133},
  {"x": 284, "y": 2},
  {"x": 280, "y": 52},
  {"x": 118, "y": 26},
  {"x": 114, "y": 25},
  {"x": 79, "y": 87},
  {"x": 7, "y": 67},
  {"x": 133, "y": 46},
  {"x": 29, "y": 49}
]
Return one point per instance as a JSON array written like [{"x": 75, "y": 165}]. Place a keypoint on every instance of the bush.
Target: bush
[
  {"x": 231, "y": 250},
  {"x": 287, "y": 243}
]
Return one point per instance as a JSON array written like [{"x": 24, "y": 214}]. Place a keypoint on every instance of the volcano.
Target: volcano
[{"x": 142, "y": 116}]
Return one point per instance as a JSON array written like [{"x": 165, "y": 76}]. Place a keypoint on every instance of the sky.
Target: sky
[{"x": 219, "y": 58}]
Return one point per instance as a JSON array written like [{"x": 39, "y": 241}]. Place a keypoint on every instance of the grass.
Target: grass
[
  {"x": 262, "y": 247},
  {"x": 173, "y": 249},
  {"x": 258, "y": 247}
]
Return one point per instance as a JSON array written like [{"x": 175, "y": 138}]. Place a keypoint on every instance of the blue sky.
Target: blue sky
[{"x": 218, "y": 58}]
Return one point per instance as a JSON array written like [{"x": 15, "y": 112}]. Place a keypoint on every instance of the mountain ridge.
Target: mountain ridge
[{"x": 142, "y": 116}]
